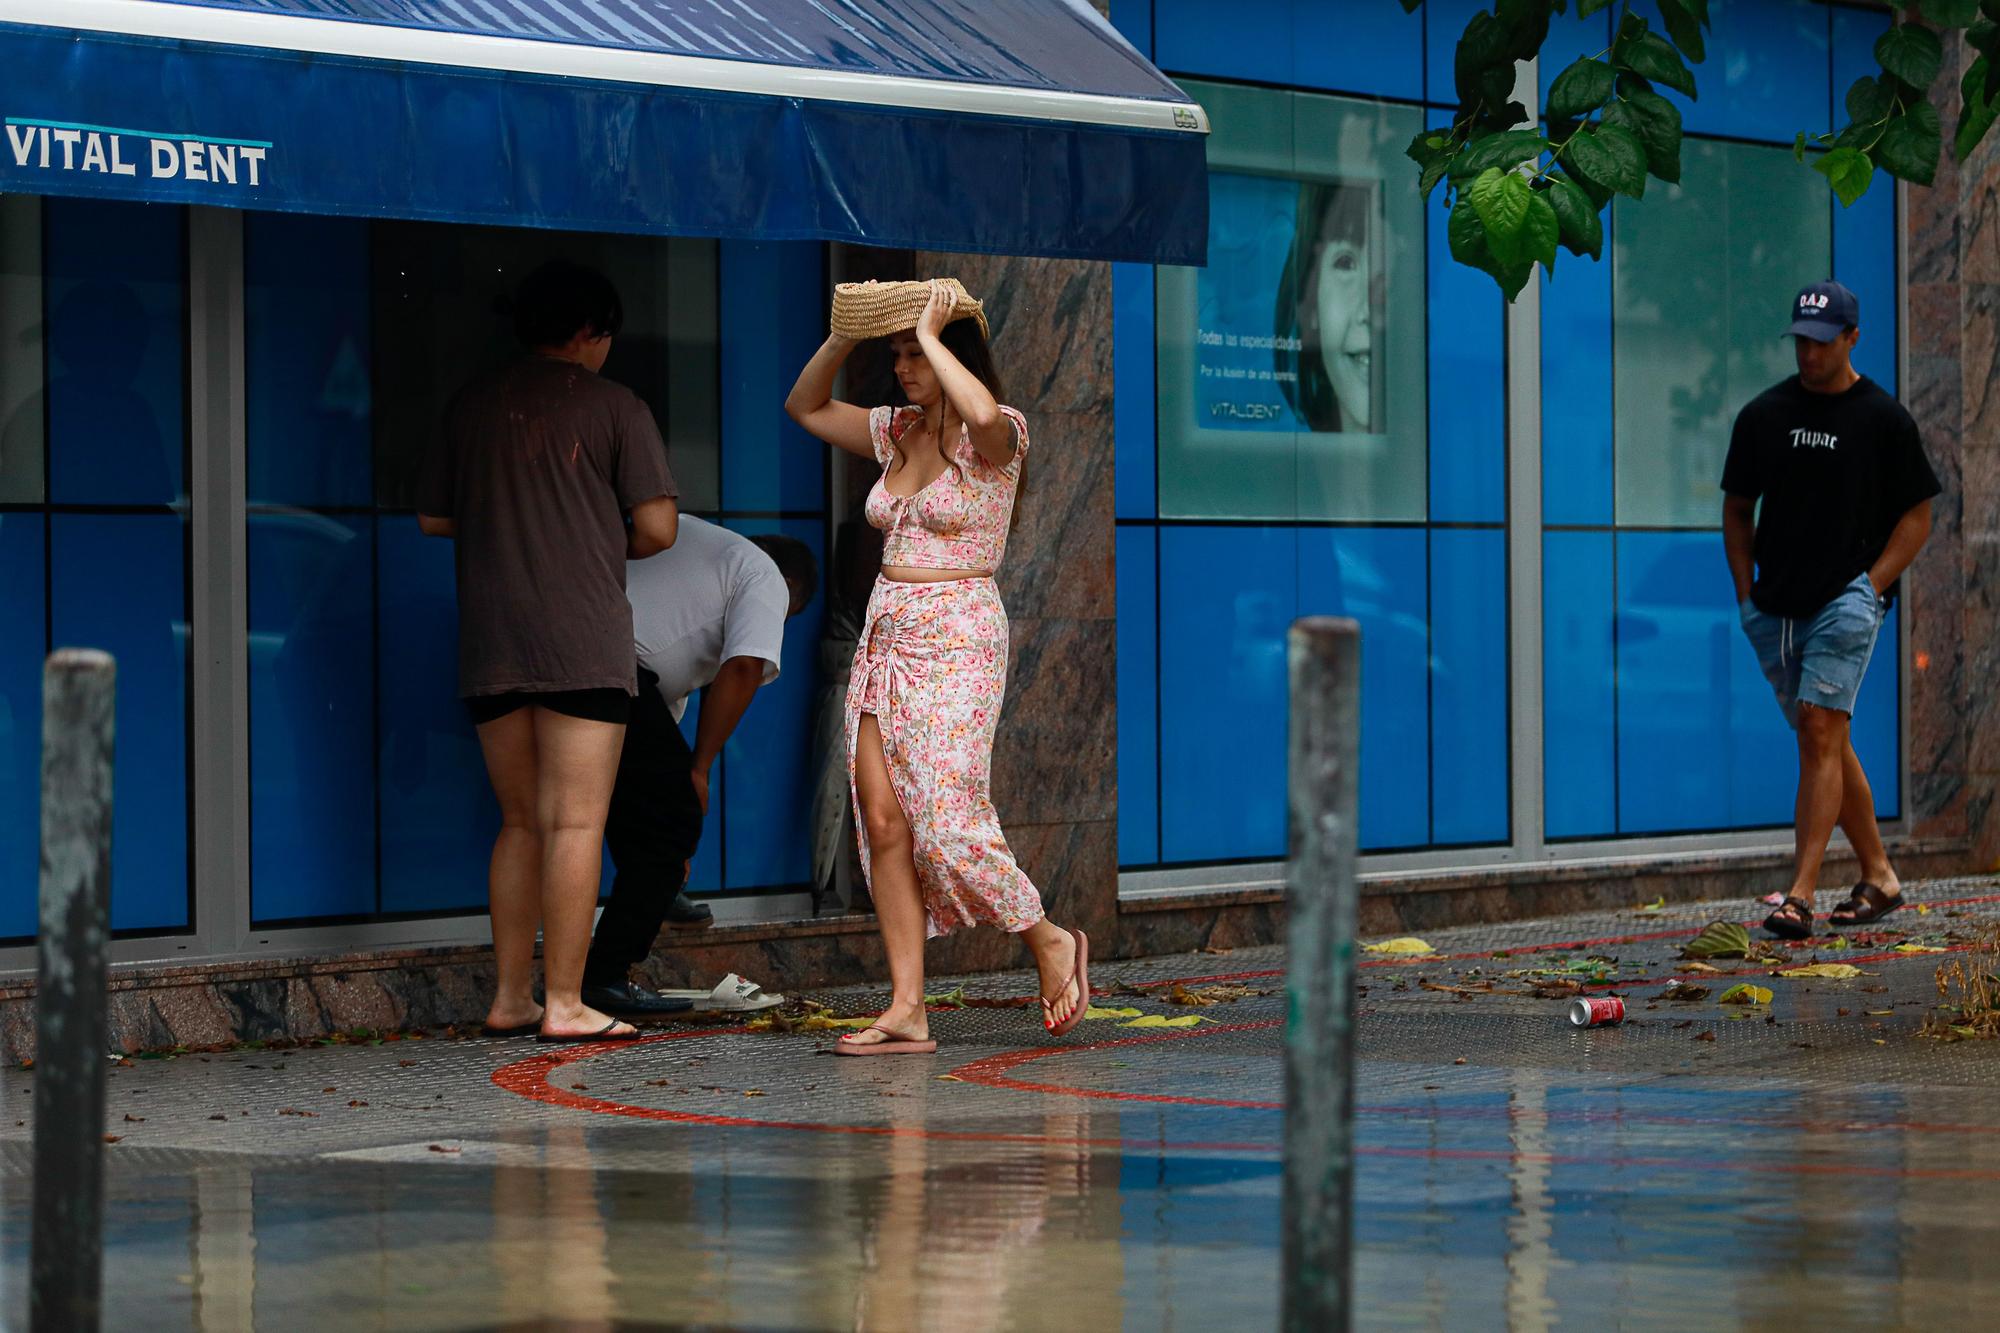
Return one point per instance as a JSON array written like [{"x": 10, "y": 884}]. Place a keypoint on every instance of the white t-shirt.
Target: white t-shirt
[{"x": 709, "y": 597}]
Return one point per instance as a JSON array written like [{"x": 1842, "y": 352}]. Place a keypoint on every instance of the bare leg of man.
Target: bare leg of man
[
  {"x": 514, "y": 876},
  {"x": 578, "y": 763},
  {"x": 899, "y": 904},
  {"x": 1823, "y": 747}
]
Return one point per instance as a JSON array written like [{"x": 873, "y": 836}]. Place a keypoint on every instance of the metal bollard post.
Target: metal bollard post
[
  {"x": 1320, "y": 895},
  {"x": 71, "y": 1034}
]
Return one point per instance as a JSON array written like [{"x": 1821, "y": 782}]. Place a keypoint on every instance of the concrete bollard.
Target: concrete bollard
[
  {"x": 67, "y": 1250},
  {"x": 1321, "y": 897}
]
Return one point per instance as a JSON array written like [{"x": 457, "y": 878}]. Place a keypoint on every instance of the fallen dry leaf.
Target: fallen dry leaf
[
  {"x": 1830, "y": 971},
  {"x": 439, "y": 1147},
  {"x": 1162, "y": 1021},
  {"x": 753, "y": 1092},
  {"x": 135, "y": 1119},
  {"x": 1745, "y": 993},
  {"x": 1704, "y": 1036},
  {"x": 114, "y": 1138},
  {"x": 1681, "y": 990},
  {"x": 1920, "y": 948},
  {"x": 1095, "y": 1012},
  {"x": 1405, "y": 946},
  {"x": 218, "y": 1116},
  {"x": 304, "y": 1115},
  {"x": 1877, "y": 1013},
  {"x": 1459, "y": 1061},
  {"x": 1701, "y": 967}
]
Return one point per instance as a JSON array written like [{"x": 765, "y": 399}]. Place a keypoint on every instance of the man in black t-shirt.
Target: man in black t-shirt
[{"x": 1846, "y": 505}]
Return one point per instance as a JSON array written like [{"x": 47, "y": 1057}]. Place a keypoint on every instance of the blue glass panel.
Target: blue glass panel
[
  {"x": 767, "y": 333},
  {"x": 1360, "y": 48},
  {"x": 117, "y": 343},
  {"x": 1134, "y": 19},
  {"x": 1138, "y": 698},
  {"x": 1876, "y": 734},
  {"x": 22, "y": 603},
  {"x": 1766, "y": 75},
  {"x": 307, "y": 393},
  {"x": 1576, "y": 391},
  {"x": 117, "y": 584},
  {"x": 705, "y": 875},
  {"x": 1231, "y": 595},
  {"x": 769, "y": 777},
  {"x": 1133, "y": 414},
  {"x": 1468, "y": 387},
  {"x": 1569, "y": 37},
  {"x": 1251, "y": 39},
  {"x": 1378, "y": 576},
  {"x": 312, "y": 716},
  {"x": 1468, "y": 607},
  {"x": 1701, "y": 744},
  {"x": 437, "y": 813},
  {"x": 1864, "y": 236},
  {"x": 1579, "y": 743}
]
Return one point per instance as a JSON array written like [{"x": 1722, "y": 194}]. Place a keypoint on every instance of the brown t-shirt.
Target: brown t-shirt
[{"x": 538, "y": 464}]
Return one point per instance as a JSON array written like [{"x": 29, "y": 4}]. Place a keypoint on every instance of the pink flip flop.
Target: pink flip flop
[
  {"x": 1081, "y": 976},
  {"x": 894, "y": 1045}
]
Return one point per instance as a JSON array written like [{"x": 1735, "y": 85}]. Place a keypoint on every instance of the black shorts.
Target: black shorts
[{"x": 590, "y": 705}]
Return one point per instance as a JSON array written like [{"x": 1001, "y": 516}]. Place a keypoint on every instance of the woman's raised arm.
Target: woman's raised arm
[
  {"x": 988, "y": 429},
  {"x": 811, "y": 402}
]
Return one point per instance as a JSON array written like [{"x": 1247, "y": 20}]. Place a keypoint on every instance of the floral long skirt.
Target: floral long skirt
[{"x": 932, "y": 667}]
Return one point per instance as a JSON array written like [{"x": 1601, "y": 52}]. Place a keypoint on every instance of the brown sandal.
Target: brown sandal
[
  {"x": 1792, "y": 920},
  {"x": 1865, "y": 903},
  {"x": 1079, "y": 976}
]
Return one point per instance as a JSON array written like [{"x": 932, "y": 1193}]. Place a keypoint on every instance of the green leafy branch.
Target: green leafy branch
[{"x": 1518, "y": 195}]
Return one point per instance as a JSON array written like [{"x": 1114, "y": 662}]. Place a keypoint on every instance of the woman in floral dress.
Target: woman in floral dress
[{"x": 931, "y": 668}]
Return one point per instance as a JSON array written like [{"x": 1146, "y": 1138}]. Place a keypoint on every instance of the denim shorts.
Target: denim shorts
[{"x": 1818, "y": 660}]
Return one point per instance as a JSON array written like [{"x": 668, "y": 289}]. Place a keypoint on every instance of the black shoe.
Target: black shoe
[
  {"x": 684, "y": 913},
  {"x": 626, "y": 1000}
]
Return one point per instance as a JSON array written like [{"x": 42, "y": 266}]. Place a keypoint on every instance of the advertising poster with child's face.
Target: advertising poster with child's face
[{"x": 1289, "y": 308}]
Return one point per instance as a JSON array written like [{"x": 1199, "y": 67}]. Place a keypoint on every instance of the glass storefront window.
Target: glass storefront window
[{"x": 1292, "y": 367}]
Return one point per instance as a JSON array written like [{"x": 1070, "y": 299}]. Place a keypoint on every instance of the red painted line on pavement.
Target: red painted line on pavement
[
  {"x": 530, "y": 1078},
  {"x": 990, "y": 1072}
]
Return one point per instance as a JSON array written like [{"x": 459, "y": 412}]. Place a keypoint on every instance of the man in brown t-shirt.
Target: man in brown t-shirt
[{"x": 550, "y": 478}]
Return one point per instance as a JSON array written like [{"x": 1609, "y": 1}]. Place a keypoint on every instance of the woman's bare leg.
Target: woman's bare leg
[
  {"x": 514, "y": 876},
  {"x": 899, "y": 905},
  {"x": 578, "y": 763}
]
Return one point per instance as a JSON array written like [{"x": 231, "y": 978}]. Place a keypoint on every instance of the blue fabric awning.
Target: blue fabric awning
[{"x": 1007, "y": 126}]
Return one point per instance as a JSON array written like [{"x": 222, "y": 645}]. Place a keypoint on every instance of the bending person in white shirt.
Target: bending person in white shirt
[{"x": 708, "y": 614}]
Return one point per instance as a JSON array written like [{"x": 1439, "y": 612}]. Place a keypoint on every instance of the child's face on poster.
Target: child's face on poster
[{"x": 1339, "y": 307}]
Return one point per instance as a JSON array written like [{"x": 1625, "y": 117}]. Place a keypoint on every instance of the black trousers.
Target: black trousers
[{"x": 652, "y": 829}]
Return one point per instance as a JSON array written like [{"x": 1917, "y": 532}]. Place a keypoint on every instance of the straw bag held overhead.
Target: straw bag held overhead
[{"x": 878, "y": 309}]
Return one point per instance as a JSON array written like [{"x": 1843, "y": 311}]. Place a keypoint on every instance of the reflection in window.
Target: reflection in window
[
  {"x": 23, "y": 410},
  {"x": 1703, "y": 279}
]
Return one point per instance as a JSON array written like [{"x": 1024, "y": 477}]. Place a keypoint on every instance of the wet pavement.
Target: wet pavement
[{"x": 1813, "y": 1162}]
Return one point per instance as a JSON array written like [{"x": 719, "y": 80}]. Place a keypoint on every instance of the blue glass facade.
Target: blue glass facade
[{"x": 1656, "y": 720}]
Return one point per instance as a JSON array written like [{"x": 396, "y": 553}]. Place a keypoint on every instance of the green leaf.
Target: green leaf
[
  {"x": 1612, "y": 156},
  {"x": 1541, "y": 231},
  {"x": 1910, "y": 145},
  {"x": 1508, "y": 149},
  {"x": 1412, "y": 6},
  {"x": 1849, "y": 170},
  {"x": 1482, "y": 48},
  {"x": 1719, "y": 939},
  {"x": 1501, "y": 199},
  {"x": 1432, "y": 174},
  {"x": 1426, "y": 148},
  {"x": 1979, "y": 110},
  {"x": 1983, "y": 36},
  {"x": 1580, "y": 89},
  {"x": 1685, "y": 28},
  {"x": 1951, "y": 13},
  {"x": 1912, "y": 54},
  {"x": 1585, "y": 8},
  {"x": 1799, "y": 147},
  {"x": 1869, "y": 101},
  {"x": 1653, "y": 56},
  {"x": 1657, "y": 122},
  {"x": 1469, "y": 246},
  {"x": 1581, "y": 230}
]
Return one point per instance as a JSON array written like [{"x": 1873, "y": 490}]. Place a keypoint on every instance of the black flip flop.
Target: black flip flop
[
  {"x": 1865, "y": 903},
  {"x": 602, "y": 1034},
  {"x": 1787, "y": 925}
]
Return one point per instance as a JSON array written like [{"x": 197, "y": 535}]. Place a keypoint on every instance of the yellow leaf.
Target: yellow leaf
[
  {"x": 1095, "y": 1012},
  {"x": 1658, "y": 904},
  {"x": 1162, "y": 1021},
  {"x": 1878, "y": 1013},
  {"x": 1832, "y": 971},
  {"x": 1879, "y": 1041},
  {"x": 1699, "y": 967},
  {"x": 950, "y": 1078},
  {"x": 1923, "y": 909},
  {"x": 1919, "y": 948},
  {"x": 1406, "y": 945},
  {"x": 1745, "y": 994}
]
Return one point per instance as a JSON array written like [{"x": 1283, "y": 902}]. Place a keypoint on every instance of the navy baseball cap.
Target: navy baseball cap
[{"x": 1824, "y": 311}]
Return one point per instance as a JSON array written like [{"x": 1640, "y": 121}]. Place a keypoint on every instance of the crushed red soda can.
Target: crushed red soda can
[{"x": 1597, "y": 1011}]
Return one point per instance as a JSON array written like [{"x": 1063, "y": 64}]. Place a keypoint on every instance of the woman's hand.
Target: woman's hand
[{"x": 937, "y": 312}]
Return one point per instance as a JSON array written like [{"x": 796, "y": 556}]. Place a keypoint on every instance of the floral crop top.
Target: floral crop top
[{"x": 960, "y": 520}]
